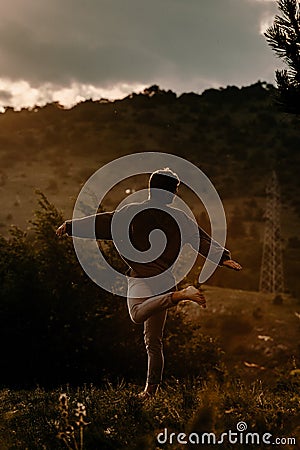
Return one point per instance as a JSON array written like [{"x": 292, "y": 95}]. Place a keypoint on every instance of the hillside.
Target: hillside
[
  {"x": 235, "y": 135},
  {"x": 258, "y": 337}
]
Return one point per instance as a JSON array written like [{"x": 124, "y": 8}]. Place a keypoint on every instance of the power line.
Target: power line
[{"x": 271, "y": 273}]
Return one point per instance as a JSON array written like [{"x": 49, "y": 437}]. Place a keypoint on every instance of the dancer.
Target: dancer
[{"x": 143, "y": 306}]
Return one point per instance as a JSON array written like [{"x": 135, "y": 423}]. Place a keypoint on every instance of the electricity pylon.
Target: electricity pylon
[{"x": 271, "y": 273}]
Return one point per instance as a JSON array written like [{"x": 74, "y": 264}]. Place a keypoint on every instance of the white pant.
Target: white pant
[{"x": 152, "y": 310}]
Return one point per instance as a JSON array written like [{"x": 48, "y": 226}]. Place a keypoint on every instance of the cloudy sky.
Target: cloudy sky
[{"x": 68, "y": 50}]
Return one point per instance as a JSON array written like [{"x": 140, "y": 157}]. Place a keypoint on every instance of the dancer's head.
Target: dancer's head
[{"x": 167, "y": 182}]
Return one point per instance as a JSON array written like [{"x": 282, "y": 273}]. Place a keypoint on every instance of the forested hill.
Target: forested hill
[
  {"x": 232, "y": 133},
  {"x": 235, "y": 135}
]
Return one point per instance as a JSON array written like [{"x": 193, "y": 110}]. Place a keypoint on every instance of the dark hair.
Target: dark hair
[{"x": 164, "y": 179}]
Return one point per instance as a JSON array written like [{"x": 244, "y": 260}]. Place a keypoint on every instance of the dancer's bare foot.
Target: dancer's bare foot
[
  {"x": 149, "y": 392},
  {"x": 189, "y": 293}
]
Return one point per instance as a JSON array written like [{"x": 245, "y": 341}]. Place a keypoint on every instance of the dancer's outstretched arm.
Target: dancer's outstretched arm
[
  {"x": 209, "y": 246},
  {"x": 83, "y": 228},
  {"x": 206, "y": 241}
]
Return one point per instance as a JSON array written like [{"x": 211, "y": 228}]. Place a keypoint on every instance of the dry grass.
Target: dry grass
[{"x": 119, "y": 420}]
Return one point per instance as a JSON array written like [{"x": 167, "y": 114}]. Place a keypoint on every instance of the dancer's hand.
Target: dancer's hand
[
  {"x": 61, "y": 230},
  {"x": 232, "y": 264}
]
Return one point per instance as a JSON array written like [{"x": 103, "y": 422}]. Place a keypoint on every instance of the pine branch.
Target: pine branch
[
  {"x": 288, "y": 8},
  {"x": 284, "y": 38},
  {"x": 288, "y": 95}
]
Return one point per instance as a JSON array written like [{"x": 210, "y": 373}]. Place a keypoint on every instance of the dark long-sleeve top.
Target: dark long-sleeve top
[{"x": 146, "y": 217}]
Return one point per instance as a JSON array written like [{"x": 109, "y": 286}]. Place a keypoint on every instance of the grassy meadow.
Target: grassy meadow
[
  {"x": 73, "y": 363},
  {"x": 257, "y": 381},
  {"x": 116, "y": 419}
]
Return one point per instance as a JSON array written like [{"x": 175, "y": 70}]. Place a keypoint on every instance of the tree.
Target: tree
[{"x": 284, "y": 38}]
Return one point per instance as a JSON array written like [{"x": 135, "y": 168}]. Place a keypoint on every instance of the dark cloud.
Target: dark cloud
[{"x": 175, "y": 43}]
